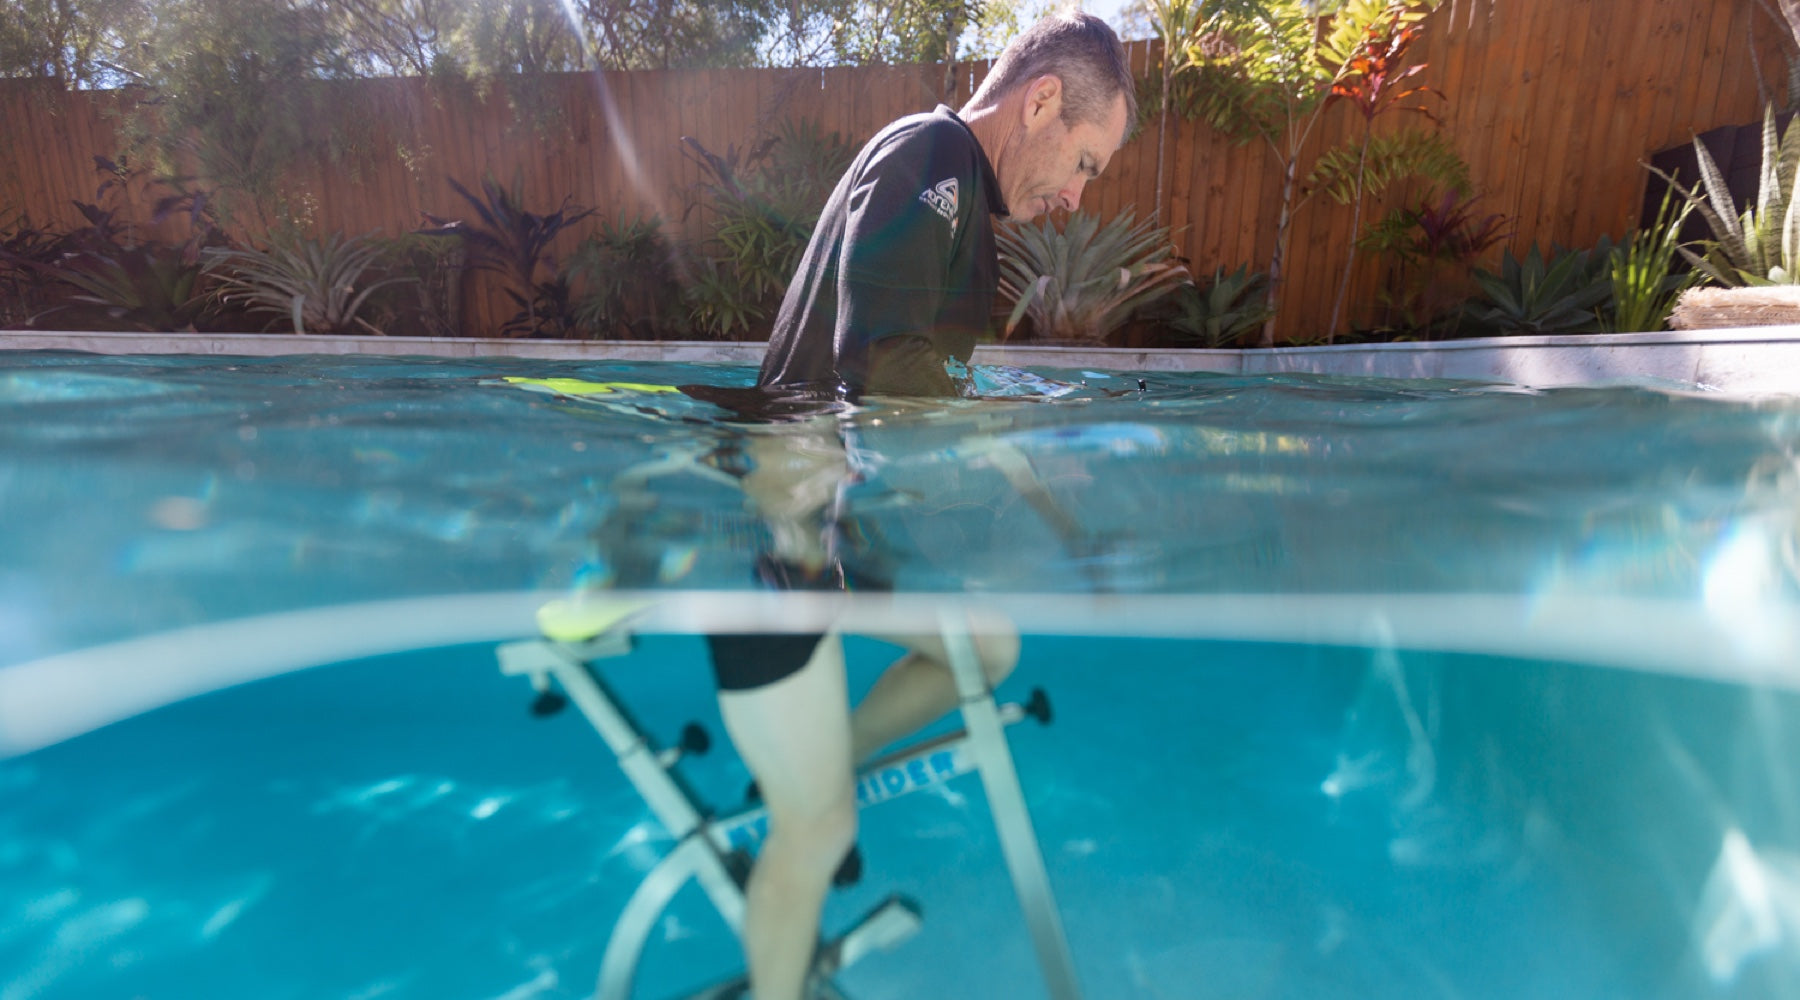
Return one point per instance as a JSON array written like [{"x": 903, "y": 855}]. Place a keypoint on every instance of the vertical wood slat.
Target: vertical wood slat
[
  {"x": 1182, "y": 168},
  {"x": 1631, "y": 101},
  {"x": 1553, "y": 102}
]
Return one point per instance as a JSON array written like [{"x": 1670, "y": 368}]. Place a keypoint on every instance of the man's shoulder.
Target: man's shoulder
[{"x": 928, "y": 134}]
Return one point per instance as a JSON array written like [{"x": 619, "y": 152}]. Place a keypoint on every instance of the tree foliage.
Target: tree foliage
[
  {"x": 94, "y": 43},
  {"x": 73, "y": 42},
  {"x": 1266, "y": 70}
]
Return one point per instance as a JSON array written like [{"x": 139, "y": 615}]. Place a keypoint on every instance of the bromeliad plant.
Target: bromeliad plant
[
  {"x": 515, "y": 243},
  {"x": 1761, "y": 246},
  {"x": 1082, "y": 282},
  {"x": 1435, "y": 243},
  {"x": 310, "y": 283},
  {"x": 120, "y": 282},
  {"x": 144, "y": 287}
]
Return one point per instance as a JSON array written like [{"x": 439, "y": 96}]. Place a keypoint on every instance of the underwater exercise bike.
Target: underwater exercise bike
[{"x": 715, "y": 851}]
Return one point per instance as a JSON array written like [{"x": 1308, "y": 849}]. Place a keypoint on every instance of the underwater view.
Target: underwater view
[{"x": 1354, "y": 688}]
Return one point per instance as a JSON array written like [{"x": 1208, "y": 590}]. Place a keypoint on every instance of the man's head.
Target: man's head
[{"x": 1057, "y": 105}]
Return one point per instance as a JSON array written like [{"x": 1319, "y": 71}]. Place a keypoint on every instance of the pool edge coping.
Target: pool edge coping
[{"x": 1753, "y": 360}]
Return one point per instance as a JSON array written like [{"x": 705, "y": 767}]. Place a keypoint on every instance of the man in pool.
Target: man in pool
[{"x": 898, "y": 280}]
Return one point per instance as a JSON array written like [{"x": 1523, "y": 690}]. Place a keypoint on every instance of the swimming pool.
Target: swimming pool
[{"x": 1363, "y": 688}]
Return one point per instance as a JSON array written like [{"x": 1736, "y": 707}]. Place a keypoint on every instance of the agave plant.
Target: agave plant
[
  {"x": 1761, "y": 246},
  {"x": 310, "y": 283},
  {"x": 1223, "y": 311},
  {"x": 1082, "y": 282},
  {"x": 1564, "y": 294}
]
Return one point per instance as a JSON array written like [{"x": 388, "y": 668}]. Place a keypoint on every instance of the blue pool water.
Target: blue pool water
[{"x": 1223, "y": 814}]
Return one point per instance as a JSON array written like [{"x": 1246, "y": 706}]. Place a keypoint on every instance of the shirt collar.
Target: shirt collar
[{"x": 989, "y": 179}]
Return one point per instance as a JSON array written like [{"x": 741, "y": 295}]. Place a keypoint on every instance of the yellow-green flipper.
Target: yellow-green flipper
[
  {"x": 582, "y": 387},
  {"x": 585, "y": 616}
]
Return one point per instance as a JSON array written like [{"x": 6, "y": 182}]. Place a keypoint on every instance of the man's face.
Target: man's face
[{"x": 1053, "y": 161}]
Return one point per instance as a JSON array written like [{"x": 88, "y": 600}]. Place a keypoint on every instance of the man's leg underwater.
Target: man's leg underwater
[
  {"x": 919, "y": 688},
  {"x": 794, "y": 735}
]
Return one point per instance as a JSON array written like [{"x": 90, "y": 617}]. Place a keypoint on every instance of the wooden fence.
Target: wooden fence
[{"x": 1554, "y": 103}]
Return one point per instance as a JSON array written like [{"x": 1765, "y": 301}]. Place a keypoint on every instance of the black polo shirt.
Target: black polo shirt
[{"x": 904, "y": 248}]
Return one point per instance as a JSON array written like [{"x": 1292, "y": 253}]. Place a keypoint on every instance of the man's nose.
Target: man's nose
[{"x": 1070, "y": 195}]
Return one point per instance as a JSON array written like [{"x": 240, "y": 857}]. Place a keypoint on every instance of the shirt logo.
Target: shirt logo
[{"x": 942, "y": 199}]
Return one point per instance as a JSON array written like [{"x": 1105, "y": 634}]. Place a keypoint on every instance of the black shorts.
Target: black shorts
[{"x": 742, "y": 662}]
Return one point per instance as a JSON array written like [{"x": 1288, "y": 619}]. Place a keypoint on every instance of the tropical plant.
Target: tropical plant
[
  {"x": 515, "y": 243},
  {"x": 627, "y": 276},
  {"x": 25, "y": 251},
  {"x": 1081, "y": 282},
  {"x": 1375, "y": 81},
  {"x": 1643, "y": 288},
  {"x": 108, "y": 269},
  {"x": 1221, "y": 312},
  {"x": 1266, "y": 70},
  {"x": 1762, "y": 246},
  {"x": 312, "y": 284},
  {"x": 1434, "y": 244},
  {"x": 1565, "y": 293}
]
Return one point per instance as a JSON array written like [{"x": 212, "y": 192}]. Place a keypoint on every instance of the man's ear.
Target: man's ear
[{"x": 1043, "y": 101}]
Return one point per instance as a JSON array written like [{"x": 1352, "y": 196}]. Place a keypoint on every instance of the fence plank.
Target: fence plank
[
  {"x": 1551, "y": 110},
  {"x": 1181, "y": 169}
]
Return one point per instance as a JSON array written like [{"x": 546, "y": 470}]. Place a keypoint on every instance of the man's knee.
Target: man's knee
[
  {"x": 999, "y": 652},
  {"x": 820, "y": 836}
]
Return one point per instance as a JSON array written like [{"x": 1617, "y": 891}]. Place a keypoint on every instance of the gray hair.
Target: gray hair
[{"x": 1075, "y": 47}]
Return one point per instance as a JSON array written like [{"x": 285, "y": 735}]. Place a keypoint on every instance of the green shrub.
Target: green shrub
[
  {"x": 626, "y": 273},
  {"x": 427, "y": 300},
  {"x": 765, "y": 201},
  {"x": 1643, "y": 289}
]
